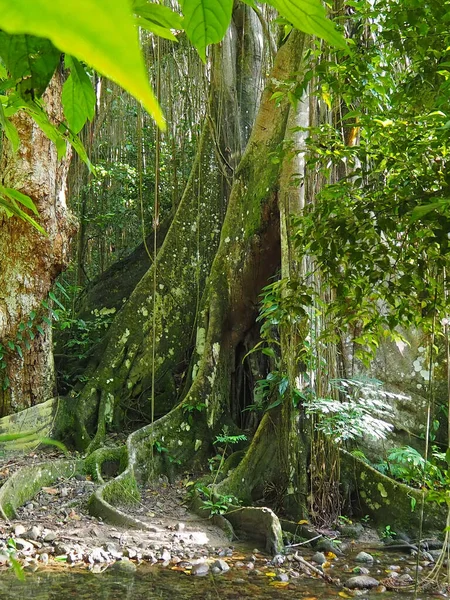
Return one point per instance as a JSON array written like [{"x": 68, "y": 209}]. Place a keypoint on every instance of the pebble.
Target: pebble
[
  {"x": 282, "y": 577},
  {"x": 279, "y": 559},
  {"x": 221, "y": 565},
  {"x": 165, "y": 555},
  {"x": 200, "y": 569},
  {"x": 50, "y": 536},
  {"x": 361, "y": 570},
  {"x": 319, "y": 558},
  {"x": 364, "y": 557},
  {"x": 361, "y": 582},
  {"x": 19, "y": 530}
]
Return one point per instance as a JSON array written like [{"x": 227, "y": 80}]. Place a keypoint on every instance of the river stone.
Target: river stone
[
  {"x": 124, "y": 566},
  {"x": 221, "y": 565},
  {"x": 33, "y": 534},
  {"x": 50, "y": 536},
  {"x": 364, "y": 557},
  {"x": 278, "y": 560},
  {"x": 319, "y": 558},
  {"x": 19, "y": 530},
  {"x": 361, "y": 570},
  {"x": 326, "y": 545},
  {"x": 259, "y": 524},
  {"x": 282, "y": 577},
  {"x": 165, "y": 555},
  {"x": 200, "y": 569},
  {"x": 361, "y": 582}
]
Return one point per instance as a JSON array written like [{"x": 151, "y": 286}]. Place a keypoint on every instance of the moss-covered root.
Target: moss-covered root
[
  {"x": 27, "y": 481},
  {"x": 182, "y": 443},
  {"x": 106, "y": 461},
  {"x": 260, "y": 465},
  {"x": 388, "y": 502},
  {"x": 124, "y": 490}
]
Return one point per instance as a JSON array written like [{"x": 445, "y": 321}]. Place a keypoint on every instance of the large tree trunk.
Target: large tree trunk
[
  {"x": 249, "y": 252},
  {"x": 147, "y": 352},
  {"x": 30, "y": 261}
]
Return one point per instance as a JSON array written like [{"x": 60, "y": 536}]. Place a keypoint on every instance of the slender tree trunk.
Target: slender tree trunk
[{"x": 30, "y": 261}]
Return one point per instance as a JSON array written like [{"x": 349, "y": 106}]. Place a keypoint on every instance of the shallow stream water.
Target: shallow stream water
[{"x": 157, "y": 583}]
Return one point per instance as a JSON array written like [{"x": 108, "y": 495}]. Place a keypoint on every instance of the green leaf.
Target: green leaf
[
  {"x": 30, "y": 61},
  {"x": 159, "y": 14},
  {"x": 206, "y": 22},
  {"x": 78, "y": 96},
  {"x": 19, "y": 197},
  {"x": 422, "y": 210},
  {"x": 156, "y": 29},
  {"x": 9, "y": 129},
  {"x": 55, "y": 299},
  {"x": 310, "y": 16},
  {"x": 98, "y": 32}
]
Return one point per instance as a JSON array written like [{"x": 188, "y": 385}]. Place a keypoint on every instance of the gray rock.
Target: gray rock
[
  {"x": 361, "y": 570},
  {"x": 180, "y": 527},
  {"x": 319, "y": 558},
  {"x": 361, "y": 582},
  {"x": 326, "y": 545},
  {"x": 124, "y": 566},
  {"x": 221, "y": 565},
  {"x": 200, "y": 569},
  {"x": 19, "y": 530},
  {"x": 165, "y": 555},
  {"x": 405, "y": 578},
  {"x": 98, "y": 555},
  {"x": 50, "y": 536},
  {"x": 282, "y": 577},
  {"x": 364, "y": 557},
  {"x": 32, "y": 534},
  {"x": 24, "y": 546},
  {"x": 112, "y": 549},
  {"x": 278, "y": 560}
]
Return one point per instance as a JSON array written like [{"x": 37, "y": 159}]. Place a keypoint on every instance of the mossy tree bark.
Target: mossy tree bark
[
  {"x": 248, "y": 254},
  {"x": 153, "y": 334},
  {"x": 30, "y": 261}
]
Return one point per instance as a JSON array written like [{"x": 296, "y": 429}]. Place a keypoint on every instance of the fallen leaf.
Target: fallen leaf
[
  {"x": 344, "y": 595},
  {"x": 279, "y": 584},
  {"x": 326, "y": 565},
  {"x": 330, "y": 555},
  {"x": 302, "y": 522},
  {"x": 270, "y": 574}
]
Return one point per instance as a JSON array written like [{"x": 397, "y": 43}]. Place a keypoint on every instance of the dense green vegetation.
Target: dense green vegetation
[{"x": 260, "y": 254}]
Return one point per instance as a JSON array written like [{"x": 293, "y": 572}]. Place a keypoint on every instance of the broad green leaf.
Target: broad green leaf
[
  {"x": 9, "y": 129},
  {"x": 159, "y": 14},
  {"x": 3, "y": 72},
  {"x": 155, "y": 28},
  {"x": 41, "y": 119},
  {"x": 30, "y": 61},
  {"x": 11, "y": 210},
  {"x": 310, "y": 16},
  {"x": 422, "y": 210},
  {"x": 17, "y": 196},
  {"x": 78, "y": 96},
  {"x": 206, "y": 22},
  {"x": 98, "y": 32}
]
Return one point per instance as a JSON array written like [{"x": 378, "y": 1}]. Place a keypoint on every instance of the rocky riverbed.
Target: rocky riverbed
[{"x": 55, "y": 529}]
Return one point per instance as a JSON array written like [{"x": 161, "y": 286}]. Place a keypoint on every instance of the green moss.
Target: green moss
[{"x": 122, "y": 491}]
